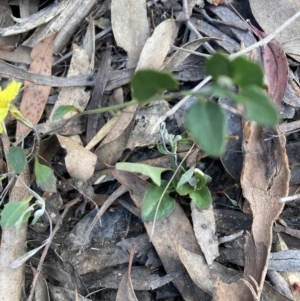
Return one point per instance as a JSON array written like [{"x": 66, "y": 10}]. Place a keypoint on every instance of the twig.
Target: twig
[
  {"x": 192, "y": 28},
  {"x": 290, "y": 198},
  {"x": 190, "y": 51},
  {"x": 262, "y": 42}
]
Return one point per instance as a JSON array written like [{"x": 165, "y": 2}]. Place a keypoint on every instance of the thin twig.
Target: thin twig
[
  {"x": 190, "y": 51},
  {"x": 192, "y": 28}
]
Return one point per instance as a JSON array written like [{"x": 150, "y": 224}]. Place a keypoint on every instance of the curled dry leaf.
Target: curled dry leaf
[
  {"x": 275, "y": 66},
  {"x": 35, "y": 96},
  {"x": 80, "y": 162},
  {"x": 270, "y": 14},
  {"x": 125, "y": 290},
  {"x": 130, "y": 27}
]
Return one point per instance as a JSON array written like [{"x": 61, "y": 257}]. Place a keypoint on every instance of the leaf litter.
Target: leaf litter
[{"x": 187, "y": 259}]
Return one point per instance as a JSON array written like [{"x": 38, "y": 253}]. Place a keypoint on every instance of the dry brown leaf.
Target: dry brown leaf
[
  {"x": 232, "y": 291},
  {"x": 115, "y": 142},
  {"x": 265, "y": 179},
  {"x": 175, "y": 227},
  {"x": 88, "y": 43},
  {"x": 158, "y": 45},
  {"x": 265, "y": 157},
  {"x": 205, "y": 231},
  {"x": 276, "y": 68},
  {"x": 80, "y": 162},
  {"x": 197, "y": 268},
  {"x": 35, "y": 96},
  {"x": 130, "y": 27},
  {"x": 76, "y": 96},
  {"x": 20, "y": 55},
  {"x": 125, "y": 291},
  {"x": 270, "y": 14},
  {"x": 146, "y": 117}
]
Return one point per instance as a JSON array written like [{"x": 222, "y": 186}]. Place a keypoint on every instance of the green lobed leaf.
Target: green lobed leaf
[
  {"x": 184, "y": 189},
  {"x": 16, "y": 158},
  {"x": 206, "y": 123},
  {"x": 185, "y": 177},
  {"x": 247, "y": 73},
  {"x": 149, "y": 82},
  {"x": 63, "y": 110},
  {"x": 258, "y": 105},
  {"x": 45, "y": 178},
  {"x": 150, "y": 203},
  {"x": 201, "y": 182},
  {"x": 201, "y": 198},
  {"x": 218, "y": 66},
  {"x": 12, "y": 212},
  {"x": 153, "y": 172}
]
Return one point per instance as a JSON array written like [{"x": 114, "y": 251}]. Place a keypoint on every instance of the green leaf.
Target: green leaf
[
  {"x": 161, "y": 148},
  {"x": 259, "y": 107},
  {"x": 206, "y": 123},
  {"x": 153, "y": 172},
  {"x": 185, "y": 177},
  {"x": 150, "y": 203},
  {"x": 247, "y": 73},
  {"x": 12, "y": 212},
  {"x": 201, "y": 182},
  {"x": 63, "y": 110},
  {"x": 184, "y": 189},
  {"x": 215, "y": 90},
  {"x": 45, "y": 178},
  {"x": 207, "y": 178},
  {"x": 149, "y": 82},
  {"x": 201, "y": 198},
  {"x": 218, "y": 66},
  {"x": 17, "y": 159}
]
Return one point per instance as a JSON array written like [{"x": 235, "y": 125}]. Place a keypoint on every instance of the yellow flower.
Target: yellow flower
[{"x": 6, "y": 97}]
